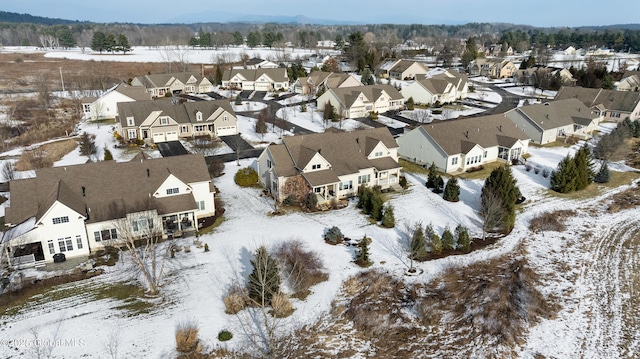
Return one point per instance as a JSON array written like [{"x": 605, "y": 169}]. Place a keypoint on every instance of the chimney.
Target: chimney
[{"x": 148, "y": 173}]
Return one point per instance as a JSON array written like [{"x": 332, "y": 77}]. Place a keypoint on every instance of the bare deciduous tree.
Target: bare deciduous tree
[{"x": 8, "y": 171}]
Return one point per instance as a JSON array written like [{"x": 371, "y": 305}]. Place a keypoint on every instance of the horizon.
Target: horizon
[{"x": 545, "y": 13}]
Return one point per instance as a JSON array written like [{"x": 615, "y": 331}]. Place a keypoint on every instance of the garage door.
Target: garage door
[
  {"x": 172, "y": 136},
  {"x": 226, "y": 131},
  {"x": 262, "y": 86},
  {"x": 159, "y": 137}
]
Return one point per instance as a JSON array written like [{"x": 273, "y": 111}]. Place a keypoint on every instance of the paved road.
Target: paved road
[{"x": 171, "y": 148}]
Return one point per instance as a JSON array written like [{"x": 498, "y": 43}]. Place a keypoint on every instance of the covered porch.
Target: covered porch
[{"x": 177, "y": 224}]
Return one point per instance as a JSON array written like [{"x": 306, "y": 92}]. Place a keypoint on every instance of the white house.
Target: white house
[
  {"x": 331, "y": 164},
  {"x": 159, "y": 85},
  {"x": 165, "y": 120},
  {"x": 545, "y": 123},
  {"x": 106, "y": 106},
  {"x": 360, "y": 101},
  {"x": 401, "y": 69},
  {"x": 256, "y": 79},
  {"x": 446, "y": 87},
  {"x": 76, "y": 210},
  {"x": 456, "y": 146},
  {"x": 323, "y": 80},
  {"x": 613, "y": 105}
]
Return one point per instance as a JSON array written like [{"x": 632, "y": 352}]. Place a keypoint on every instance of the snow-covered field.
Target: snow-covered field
[{"x": 591, "y": 267}]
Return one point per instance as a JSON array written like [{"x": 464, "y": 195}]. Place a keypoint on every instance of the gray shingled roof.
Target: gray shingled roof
[
  {"x": 348, "y": 95},
  {"x": 163, "y": 80},
  {"x": 109, "y": 188},
  {"x": 346, "y": 152},
  {"x": 277, "y": 74},
  {"x": 623, "y": 101},
  {"x": 461, "y": 135},
  {"x": 556, "y": 114},
  {"x": 181, "y": 113}
]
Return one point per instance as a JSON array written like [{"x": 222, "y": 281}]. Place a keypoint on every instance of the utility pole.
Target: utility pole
[{"x": 61, "y": 79}]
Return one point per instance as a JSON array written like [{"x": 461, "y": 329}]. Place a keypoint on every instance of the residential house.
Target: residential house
[
  {"x": 159, "y": 85},
  {"x": 401, "y": 69},
  {"x": 445, "y": 87},
  {"x": 536, "y": 75},
  {"x": 569, "y": 51},
  {"x": 547, "y": 122},
  {"x": 333, "y": 164},
  {"x": 630, "y": 81},
  {"x": 456, "y": 146},
  {"x": 256, "y": 80},
  {"x": 258, "y": 63},
  {"x": 492, "y": 67},
  {"x": 77, "y": 210},
  {"x": 314, "y": 61},
  {"x": 323, "y": 80},
  {"x": 612, "y": 105},
  {"x": 167, "y": 120},
  {"x": 106, "y": 106},
  {"x": 360, "y": 101}
]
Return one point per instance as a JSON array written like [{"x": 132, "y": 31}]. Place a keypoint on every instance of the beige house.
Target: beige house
[
  {"x": 323, "y": 80},
  {"x": 533, "y": 75},
  {"x": 333, "y": 164},
  {"x": 164, "y": 120},
  {"x": 446, "y": 87},
  {"x": 106, "y": 106},
  {"x": 401, "y": 69},
  {"x": 76, "y": 210},
  {"x": 547, "y": 122},
  {"x": 256, "y": 79},
  {"x": 630, "y": 81},
  {"x": 455, "y": 146},
  {"x": 492, "y": 67},
  {"x": 159, "y": 85},
  {"x": 610, "y": 104},
  {"x": 360, "y": 101}
]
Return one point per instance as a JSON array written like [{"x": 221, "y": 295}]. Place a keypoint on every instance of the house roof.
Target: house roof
[
  {"x": 461, "y": 135},
  {"x": 278, "y": 74},
  {"x": 165, "y": 80},
  {"x": 348, "y": 95},
  {"x": 135, "y": 92},
  {"x": 180, "y": 112},
  {"x": 556, "y": 114},
  {"x": 347, "y": 153},
  {"x": 623, "y": 101},
  {"x": 106, "y": 190},
  {"x": 403, "y": 65}
]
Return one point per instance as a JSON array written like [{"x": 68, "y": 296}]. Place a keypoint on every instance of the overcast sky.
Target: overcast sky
[{"x": 556, "y": 13}]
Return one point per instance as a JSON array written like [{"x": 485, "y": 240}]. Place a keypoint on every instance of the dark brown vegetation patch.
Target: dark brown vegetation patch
[
  {"x": 551, "y": 221},
  {"x": 629, "y": 198}
]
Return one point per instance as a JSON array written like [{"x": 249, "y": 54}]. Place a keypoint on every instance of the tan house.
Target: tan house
[
  {"x": 333, "y": 164},
  {"x": 547, "y": 122},
  {"x": 323, "y": 80},
  {"x": 446, "y": 87},
  {"x": 630, "y": 81},
  {"x": 610, "y": 104},
  {"x": 360, "y": 101},
  {"x": 455, "y": 146},
  {"x": 159, "y": 85},
  {"x": 106, "y": 106},
  {"x": 73, "y": 211},
  {"x": 256, "y": 79},
  {"x": 492, "y": 67},
  {"x": 165, "y": 120},
  {"x": 401, "y": 69},
  {"x": 532, "y": 76}
]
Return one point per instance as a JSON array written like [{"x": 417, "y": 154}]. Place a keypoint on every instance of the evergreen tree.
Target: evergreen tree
[
  {"x": 264, "y": 280},
  {"x": 388, "y": 219},
  {"x": 99, "y": 41},
  {"x": 418, "y": 248},
  {"x": 563, "y": 179},
  {"x": 410, "y": 103},
  {"x": 448, "y": 241},
  {"x": 501, "y": 185},
  {"x": 584, "y": 167},
  {"x": 87, "y": 144},
  {"x": 329, "y": 111},
  {"x": 362, "y": 256},
  {"x": 237, "y": 38},
  {"x": 261, "y": 127},
  {"x": 603, "y": 175},
  {"x": 107, "y": 155},
  {"x": 367, "y": 78},
  {"x": 65, "y": 37},
  {"x": 438, "y": 184},
  {"x": 452, "y": 190},
  {"x": 436, "y": 243},
  {"x": 339, "y": 43},
  {"x": 254, "y": 39},
  {"x": 122, "y": 44},
  {"x": 470, "y": 52},
  {"x": 432, "y": 176},
  {"x": 377, "y": 204},
  {"x": 363, "y": 193},
  {"x": 218, "y": 79},
  {"x": 462, "y": 237}
]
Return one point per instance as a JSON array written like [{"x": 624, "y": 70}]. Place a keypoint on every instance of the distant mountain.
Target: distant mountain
[
  {"x": 228, "y": 17},
  {"x": 26, "y": 18}
]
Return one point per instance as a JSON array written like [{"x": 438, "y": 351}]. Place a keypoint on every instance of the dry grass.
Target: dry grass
[
  {"x": 551, "y": 221},
  {"x": 236, "y": 299},
  {"x": 281, "y": 306},
  {"x": 302, "y": 268},
  {"x": 45, "y": 155},
  {"x": 625, "y": 200},
  {"x": 187, "y": 337}
]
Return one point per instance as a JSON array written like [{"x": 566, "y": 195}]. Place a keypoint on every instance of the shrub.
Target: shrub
[
  {"x": 437, "y": 185},
  {"x": 388, "y": 218},
  {"x": 463, "y": 239},
  {"x": 290, "y": 200},
  {"x": 448, "y": 241},
  {"x": 527, "y": 167},
  {"x": 333, "y": 235},
  {"x": 235, "y": 301},
  {"x": 281, "y": 305},
  {"x": 107, "y": 155},
  {"x": 403, "y": 182},
  {"x": 246, "y": 177},
  {"x": 431, "y": 177},
  {"x": 216, "y": 167},
  {"x": 310, "y": 201},
  {"x": 362, "y": 255},
  {"x": 545, "y": 173},
  {"x": 186, "y": 337},
  {"x": 550, "y": 221},
  {"x": 603, "y": 175},
  {"x": 224, "y": 335},
  {"x": 536, "y": 170},
  {"x": 238, "y": 100},
  {"x": 301, "y": 268},
  {"x": 452, "y": 190},
  {"x": 436, "y": 243}
]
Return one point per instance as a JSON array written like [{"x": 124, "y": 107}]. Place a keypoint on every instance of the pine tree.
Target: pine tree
[
  {"x": 410, "y": 103},
  {"x": 388, "y": 218},
  {"x": 584, "y": 167},
  {"x": 563, "y": 179},
  {"x": 261, "y": 127},
  {"x": 418, "y": 249},
  {"x": 264, "y": 280},
  {"x": 462, "y": 236},
  {"x": 218, "y": 79},
  {"x": 362, "y": 256},
  {"x": 603, "y": 175},
  {"x": 329, "y": 111},
  {"x": 87, "y": 144},
  {"x": 431, "y": 176},
  {"x": 99, "y": 41},
  {"x": 502, "y": 186},
  {"x": 377, "y": 204},
  {"x": 452, "y": 190},
  {"x": 436, "y": 243},
  {"x": 122, "y": 44},
  {"x": 107, "y": 155},
  {"x": 448, "y": 241},
  {"x": 438, "y": 184}
]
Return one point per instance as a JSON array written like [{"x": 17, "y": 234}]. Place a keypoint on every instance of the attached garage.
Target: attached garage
[
  {"x": 226, "y": 131},
  {"x": 172, "y": 135},
  {"x": 159, "y": 137}
]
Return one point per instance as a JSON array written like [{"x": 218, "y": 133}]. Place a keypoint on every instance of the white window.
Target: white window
[
  {"x": 346, "y": 185},
  {"x": 317, "y": 189},
  {"x": 201, "y": 205},
  {"x": 141, "y": 224},
  {"x": 316, "y": 166},
  {"x": 79, "y": 241},
  {"x": 52, "y": 248},
  {"x": 86, "y": 107},
  {"x": 69, "y": 243},
  {"x": 198, "y": 128},
  {"x": 163, "y": 120},
  {"x": 130, "y": 121},
  {"x": 225, "y": 118},
  {"x": 199, "y": 116},
  {"x": 58, "y": 220},
  {"x": 65, "y": 244},
  {"x": 184, "y": 129},
  {"x": 378, "y": 154},
  {"x": 485, "y": 154},
  {"x": 173, "y": 190},
  {"x": 364, "y": 179},
  {"x": 454, "y": 161},
  {"x": 132, "y": 134},
  {"x": 269, "y": 163}
]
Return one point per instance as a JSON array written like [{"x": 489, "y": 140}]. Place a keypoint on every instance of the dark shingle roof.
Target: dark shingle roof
[{"x": 623, "y": 101}]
